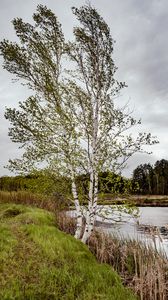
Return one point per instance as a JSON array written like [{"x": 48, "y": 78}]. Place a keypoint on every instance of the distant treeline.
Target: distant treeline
[
  {"x": 50, "y": 184},
  {"x": 146, "y": 179},
  {"x": 38, "y": 183},
  {"x": 152, "y": 179}
]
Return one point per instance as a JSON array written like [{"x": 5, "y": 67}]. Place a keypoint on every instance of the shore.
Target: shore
[
  {"x": 137, "y": 200},
  {"x": 40, "y": 261}
]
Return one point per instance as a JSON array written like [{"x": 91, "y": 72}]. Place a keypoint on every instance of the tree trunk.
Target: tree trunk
[
  {"x": 91, "y": 212},
  {"x": 78, "y": 231},
  {"x": 163, "y": 185},
  {"x": 157, "y": 184},
  {"x": 149, "y": 185},
  {"x": 87, "y": 228}
]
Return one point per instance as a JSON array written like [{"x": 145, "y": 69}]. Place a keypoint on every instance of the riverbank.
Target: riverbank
[
  {"x": 136, "y": 200},
  {"x": 141, "y": 266},
  {"x": 38, "y": 261}
]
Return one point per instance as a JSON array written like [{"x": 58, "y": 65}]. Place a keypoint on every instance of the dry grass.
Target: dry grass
[
  {"x": 137, "y": 200},
  {"x": 65, "y": 223},
  {"x": 51, "y": 203},
  {"x": 141, "y": 268}
]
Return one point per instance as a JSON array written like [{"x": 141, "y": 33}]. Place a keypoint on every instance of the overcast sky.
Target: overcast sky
[{"x": 140, "y": 29}]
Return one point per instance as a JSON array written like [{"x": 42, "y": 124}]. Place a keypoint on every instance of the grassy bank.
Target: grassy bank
[
  {"x": 25, "y": 230},
  {"x": 37, "y": 261}
]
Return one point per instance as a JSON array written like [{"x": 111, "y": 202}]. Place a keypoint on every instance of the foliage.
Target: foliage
[
  {"x": 40, "y": 182},
  {"x": 8, "y": 183},
  {"x": 152, "y": 179},
  {"x": 48, "y": 186}
]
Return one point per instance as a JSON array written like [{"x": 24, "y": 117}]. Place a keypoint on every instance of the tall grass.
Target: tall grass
[
  {"x": 51, "y": 203},
  {"x": 140, "y": 266}
]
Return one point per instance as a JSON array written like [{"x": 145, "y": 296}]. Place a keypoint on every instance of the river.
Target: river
[{"x": 152, "y": 224}]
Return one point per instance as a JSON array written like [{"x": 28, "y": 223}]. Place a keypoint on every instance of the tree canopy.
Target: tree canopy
[{"x": 152, "y": 179}]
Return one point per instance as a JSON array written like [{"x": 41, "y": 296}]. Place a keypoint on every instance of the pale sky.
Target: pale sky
[{"x": 140, "y": 28}]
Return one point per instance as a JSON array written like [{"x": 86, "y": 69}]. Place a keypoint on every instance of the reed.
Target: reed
[
  {"x": 51, "y": 203},
  {"x": 141, "y": 267},
  {"x": 65, "y": 223}
]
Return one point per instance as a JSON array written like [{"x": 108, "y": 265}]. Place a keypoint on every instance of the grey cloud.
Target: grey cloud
[
  {"x": 143, "y": 54},
  {"x": 140, "y": 31},
  {"x": 137, "y": 160},
  {"x": 157, "y": 118}
]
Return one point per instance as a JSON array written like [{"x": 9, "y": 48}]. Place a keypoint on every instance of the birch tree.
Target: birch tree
[{"x": 71, "y": 123}]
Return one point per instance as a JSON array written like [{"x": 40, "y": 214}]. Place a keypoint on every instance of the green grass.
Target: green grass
[{"x": 37, "y": 261}]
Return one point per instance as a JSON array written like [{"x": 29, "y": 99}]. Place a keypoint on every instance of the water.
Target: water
[{"x": 153, "y": 219}]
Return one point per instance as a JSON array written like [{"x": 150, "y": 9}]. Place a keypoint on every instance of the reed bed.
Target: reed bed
[
  {"x": 51, "y": 203},
  {"x": 141, "y": 267}
]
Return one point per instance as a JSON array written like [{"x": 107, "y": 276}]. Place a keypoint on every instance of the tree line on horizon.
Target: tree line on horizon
[
  {"x": 146, "y": 179},
  {"x": 45, "y": 183},
  {"x": 152, "y": 180}
]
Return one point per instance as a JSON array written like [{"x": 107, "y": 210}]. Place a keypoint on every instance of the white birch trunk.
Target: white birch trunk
[
  {"x": 86, "y": 231},
  {"x": 94, "y": 205},
  {"x": 90, "y": 215},
  {"x": 88, "y": 212},
  {"x": 95, "y": 199},
  {"x": 91, "y": 212},
  {"x": 78, "y": 231}
]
